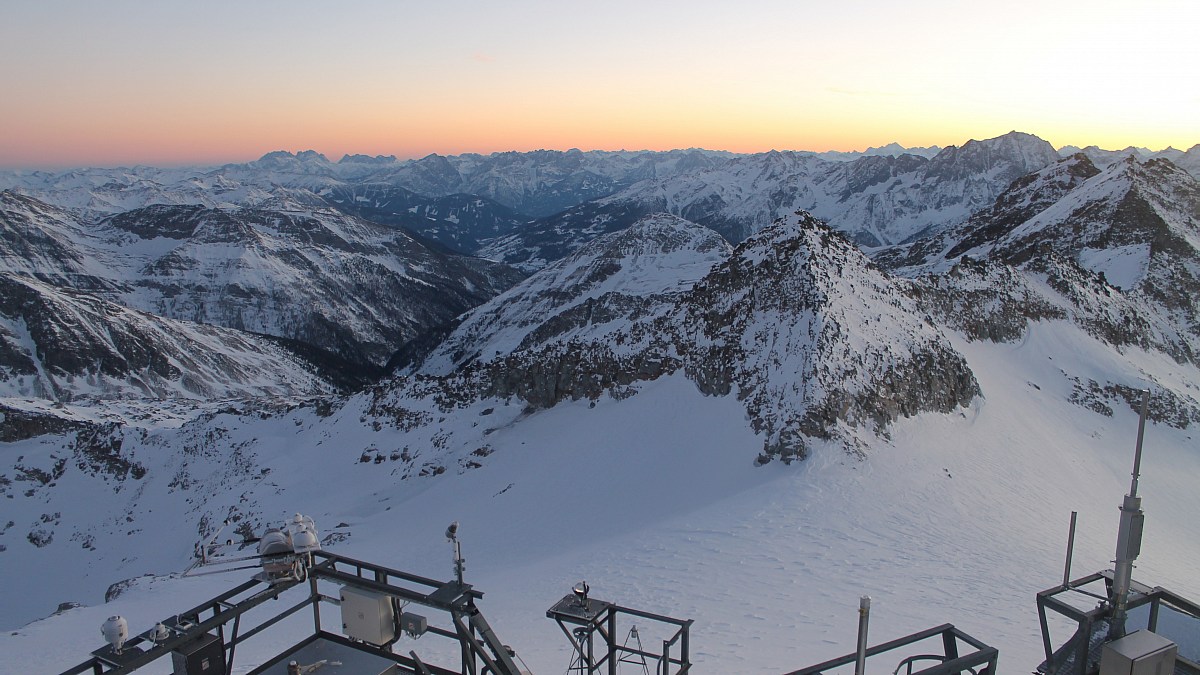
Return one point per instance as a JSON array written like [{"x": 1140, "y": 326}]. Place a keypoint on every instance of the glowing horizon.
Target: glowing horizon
[{"x": 125, "y": 83}]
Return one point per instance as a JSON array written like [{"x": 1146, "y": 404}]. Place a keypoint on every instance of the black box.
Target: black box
[{"x": 203, "y": 656}]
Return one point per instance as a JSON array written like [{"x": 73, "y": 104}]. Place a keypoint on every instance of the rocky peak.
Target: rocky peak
[
  {"x": 1131, "y": 209},
  {"x": 1006, "y": 157},
  {"x": 816, "y": 340}
]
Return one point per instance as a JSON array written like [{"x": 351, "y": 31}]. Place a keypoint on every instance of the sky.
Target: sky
[{"x": 142, "y": 82}]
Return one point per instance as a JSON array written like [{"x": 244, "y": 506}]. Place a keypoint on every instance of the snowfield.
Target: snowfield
[{"x": 655, "y": 501}]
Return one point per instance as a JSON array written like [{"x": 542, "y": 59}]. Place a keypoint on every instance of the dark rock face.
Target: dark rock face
[
  {"x": 18, "y": 425},
  {"x": 98, "y": 451},
  {"x": 547, "y": 376},
  {"x": 172, "y": 222},
  {"x": 1165, "y": 406}
]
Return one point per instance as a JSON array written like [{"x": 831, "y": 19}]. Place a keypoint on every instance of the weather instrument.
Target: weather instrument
[{"x": 284, "y": 552}]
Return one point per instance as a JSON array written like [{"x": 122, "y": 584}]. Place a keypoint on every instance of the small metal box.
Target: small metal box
[
  {"x": 203, "y": 656},
  {"x": 413, "y": 624},
  {"x": 1139, "y": 653},
  {"x": 368, "y": 616}
]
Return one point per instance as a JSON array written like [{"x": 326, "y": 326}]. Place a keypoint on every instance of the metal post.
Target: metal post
[
  {"x": 949, "y": 645},
  {"x": 864, "y": 617},
  {"x": 315, "y": 595},
  {"x": 1070, "y": 551},
  {"x": 612, "y": 642},
  {"x": 1129, "y": 535},
  {"x": 1137, "y": 453}
]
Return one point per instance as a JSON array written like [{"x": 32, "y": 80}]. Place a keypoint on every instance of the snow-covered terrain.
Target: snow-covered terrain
[
  {"x": 656, "y": 502},
  {"x": 340, "y": 283},
  {"x": 58, "y": 345},
  {"x": 876, "y": 199},
  {"x": 748, "y": 436}
]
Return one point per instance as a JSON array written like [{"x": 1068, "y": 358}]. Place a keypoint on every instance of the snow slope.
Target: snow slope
[
  {"x": 56, "y": 345},
  {"x": 958, "y": 518},
  {"x": 340, "y": 283},
  {"x": 610, "y": 280}
]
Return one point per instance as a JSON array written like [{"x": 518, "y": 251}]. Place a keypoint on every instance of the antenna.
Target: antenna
[{"x": 1129, "y": 535}]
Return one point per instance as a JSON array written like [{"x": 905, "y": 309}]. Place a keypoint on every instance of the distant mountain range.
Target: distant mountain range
[{"x": 367, "y": 259}]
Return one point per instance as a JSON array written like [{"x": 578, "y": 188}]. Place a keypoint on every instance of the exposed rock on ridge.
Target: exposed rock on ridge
[{"x": 796, "y": 322}]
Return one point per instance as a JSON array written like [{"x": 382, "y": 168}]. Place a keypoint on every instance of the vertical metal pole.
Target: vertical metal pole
[
  {"x": 468, "y": 657},
  {"x": 685, "y": 649},
  {"x": 1129, "y": 535},
  {"x": 612, "y": 641},
  {"x": 1083, "y": 651},
  {"x": 1070, "y": 551},
  {"x": 316, "y": 602},
  {"x": 864, "y": 617}
]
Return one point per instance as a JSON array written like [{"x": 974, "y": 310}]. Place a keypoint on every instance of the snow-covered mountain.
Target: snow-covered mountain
[
  {"x": 892, "y": 149},
  {"x": 59, "y": 344},
  {"x": 1118, "y": 250},
  {"x": 591, "y": 295},
  {"x": 545, "y": 182},
  {"x": 340, "y": 283},
  {"x": 876, "y": 200},
  {"x": 1188, "y": 160},
  {"x": 537, "y": 183},
  {"x": 617, "y": 440},
  {"x": 796, "y": 322}
]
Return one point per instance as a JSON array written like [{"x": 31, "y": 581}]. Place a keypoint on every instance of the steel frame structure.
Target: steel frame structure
[
  {"x": 481, "y": 650},
  {"x": 593, "y": 618},
  {"x": 1078, "y": 658},
  {"x": 950, "y": 662}
]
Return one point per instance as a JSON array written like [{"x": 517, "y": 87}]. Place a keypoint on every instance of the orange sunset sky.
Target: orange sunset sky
[{"x": 122, "y": 82}]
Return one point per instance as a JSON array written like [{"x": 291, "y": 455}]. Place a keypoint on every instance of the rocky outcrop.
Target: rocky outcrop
[{"x": 816, "y": 341}]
